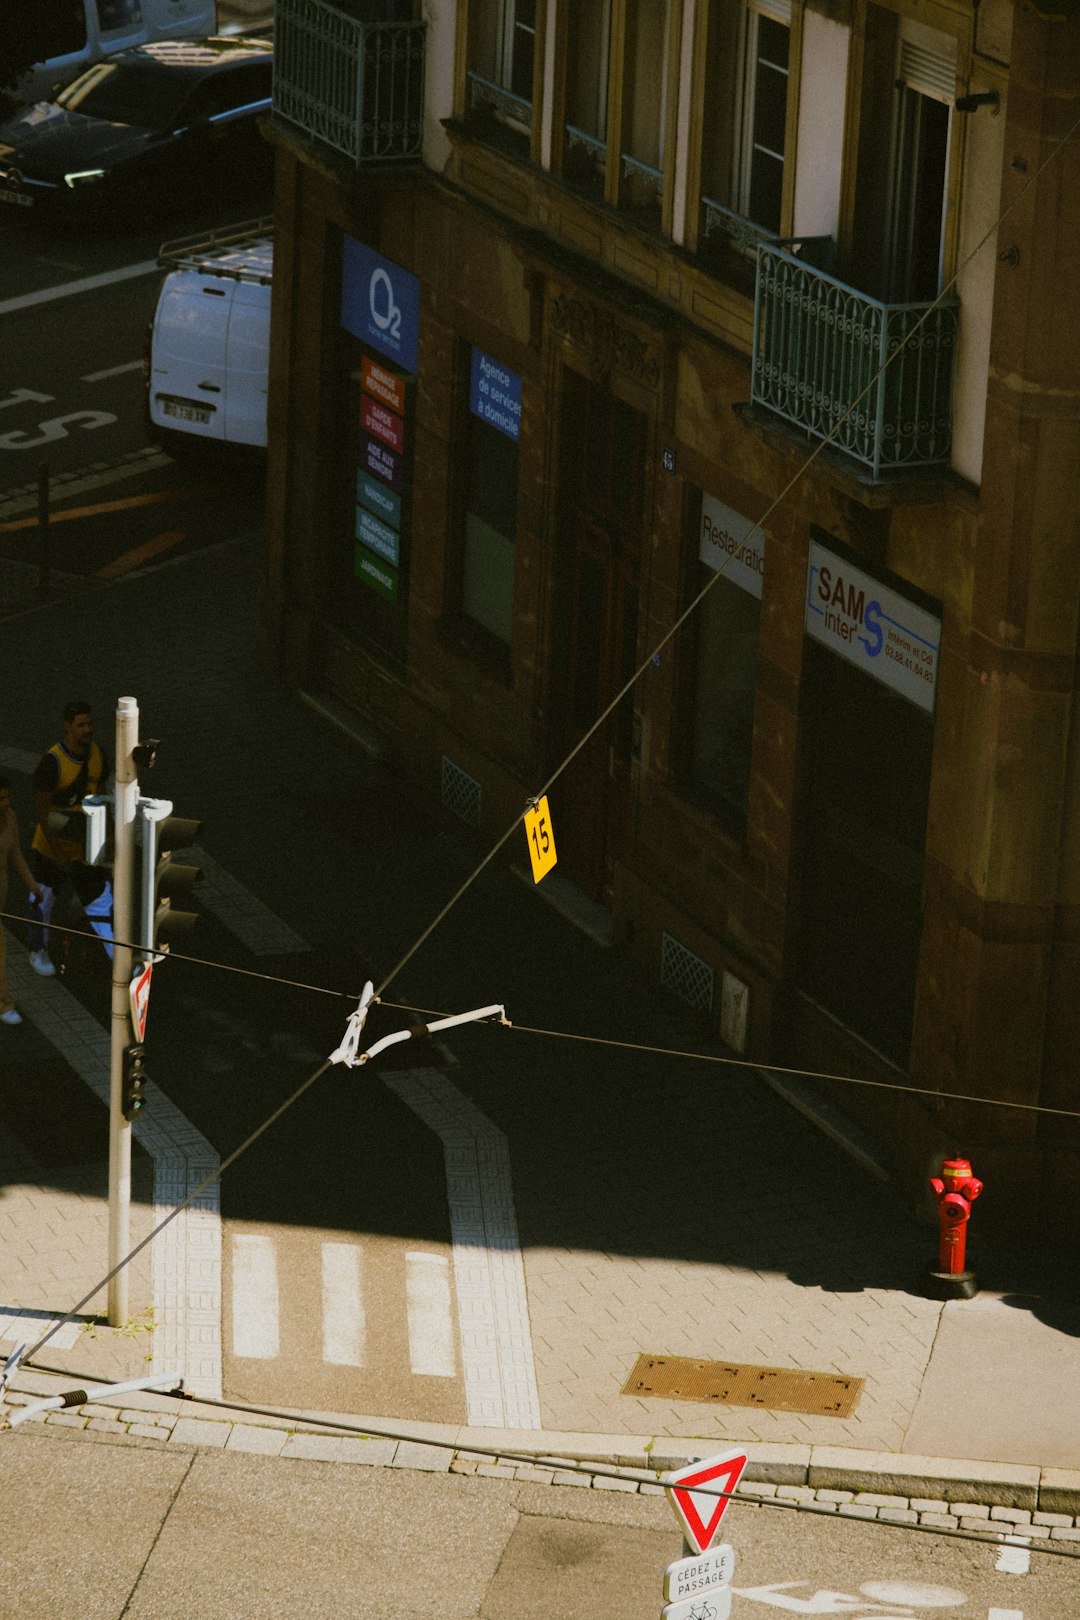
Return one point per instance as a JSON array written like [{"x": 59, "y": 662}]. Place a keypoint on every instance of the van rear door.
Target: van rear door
[{"x": 188, "y": 354}]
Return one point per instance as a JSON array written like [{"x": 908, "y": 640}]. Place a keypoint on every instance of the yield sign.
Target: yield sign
[
  {"x": 693, "y": 1493},
  {"x": 139, "y": 992}
]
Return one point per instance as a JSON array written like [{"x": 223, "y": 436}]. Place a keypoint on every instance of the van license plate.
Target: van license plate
[{"x": 185, "y": 413}]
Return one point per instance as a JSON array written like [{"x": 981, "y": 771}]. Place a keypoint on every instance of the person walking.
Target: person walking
[
  {"x": 10, "y": 855},
  {"x": 65, "y": 774}
]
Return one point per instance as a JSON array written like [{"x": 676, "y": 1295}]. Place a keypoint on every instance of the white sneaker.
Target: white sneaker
[
  {"x": 40, "y": 962},
  {"x": 10, "y": 1017}
]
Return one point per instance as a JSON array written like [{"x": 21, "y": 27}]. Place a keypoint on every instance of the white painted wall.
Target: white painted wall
[
  {"x": 441, "y": 18},
  {"x": 979, "y": 197},
  {"x": 819, "y": 152}
]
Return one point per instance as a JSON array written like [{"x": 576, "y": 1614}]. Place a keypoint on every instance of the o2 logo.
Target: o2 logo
[
  {"x": 380, "y": 303},
  {"x": 385, "y": 312}
]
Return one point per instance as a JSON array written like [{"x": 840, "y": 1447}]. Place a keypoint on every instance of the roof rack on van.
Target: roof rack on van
[{"x": 222, "y": 251}]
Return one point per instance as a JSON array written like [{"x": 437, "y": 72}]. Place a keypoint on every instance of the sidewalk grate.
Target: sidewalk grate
[{"x": 733, "y": 1383}]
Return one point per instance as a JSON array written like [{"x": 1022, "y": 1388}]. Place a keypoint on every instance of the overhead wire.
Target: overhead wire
[
  {"x": 605, "y": 714},
  {"x": 650, "y": 1049}
]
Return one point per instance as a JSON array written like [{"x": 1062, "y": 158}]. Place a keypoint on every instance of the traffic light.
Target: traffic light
[
  {"x": 133, "y": 1084},
  {"x": 164, "y": 881}
]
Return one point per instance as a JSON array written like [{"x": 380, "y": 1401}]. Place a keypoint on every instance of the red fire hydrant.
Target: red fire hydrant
[{"x": 956, "y": 1189}]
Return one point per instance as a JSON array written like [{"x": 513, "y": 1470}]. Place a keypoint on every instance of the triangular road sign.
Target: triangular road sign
[
  {"x": 699, "y": 1509},
  {"x": 139, "y": 993}
]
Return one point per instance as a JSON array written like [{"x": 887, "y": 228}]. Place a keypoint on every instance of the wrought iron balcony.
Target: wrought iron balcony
[
  {"x": 352, "y": 85},
  {"x": 819, "y": 350}
]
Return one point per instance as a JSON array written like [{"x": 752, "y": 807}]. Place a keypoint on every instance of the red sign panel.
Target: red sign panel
[
  {"x": 375, "y": 418},
  {"x": 695, "y": 1494},
  {"x": 382, "y": 384}
]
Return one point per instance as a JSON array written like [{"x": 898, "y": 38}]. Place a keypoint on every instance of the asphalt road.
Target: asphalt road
[{"x": 107, "y": 1529}]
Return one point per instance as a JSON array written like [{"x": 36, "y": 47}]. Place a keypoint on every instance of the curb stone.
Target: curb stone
[{"x": 1003, "y": 1499}]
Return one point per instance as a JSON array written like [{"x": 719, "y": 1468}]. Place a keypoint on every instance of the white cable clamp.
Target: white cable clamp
[{"x": 347, "y": 1051}]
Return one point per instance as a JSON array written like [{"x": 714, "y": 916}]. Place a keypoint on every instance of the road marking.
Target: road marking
[
  {"x": 69, "y": 289},
  {"x": 154, "y": 498},
  {"x": 166, "y": 541},
  {"x": 112, "y": 371},
  {"x": 1004, "y": 1614},
  {"x": 489, "y": 1273},
  {"x": 427, "y": 1303},
  {"x": 1014, "y": 1560},
  {"x": 186, "y": 1258},
  {"x": 344, "y": 1321},
  {"x": 255, "y": 1298},
  {"x": 64, "y": 485},
  {"x": 26, "y": 1326},
  {"x": 21, "y": 396}
]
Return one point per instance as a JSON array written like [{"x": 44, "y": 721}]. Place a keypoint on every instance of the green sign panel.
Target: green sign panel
[{"x": 379, "y": 575}]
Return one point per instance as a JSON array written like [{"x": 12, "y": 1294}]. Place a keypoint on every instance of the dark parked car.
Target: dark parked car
[{"x": 132, "y": 132}]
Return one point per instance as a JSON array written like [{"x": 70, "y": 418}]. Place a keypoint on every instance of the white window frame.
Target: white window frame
[{"x": 778, "y": 11}]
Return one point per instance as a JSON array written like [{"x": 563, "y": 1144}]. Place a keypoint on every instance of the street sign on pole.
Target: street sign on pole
[
  {"x": 715, "y": 1605},
  {"x": 689, "y": 1576},
  {"x": 139, "y": 992},
  {"x": 694, "y": 1494},
  {"x": 540, "y": 836}
]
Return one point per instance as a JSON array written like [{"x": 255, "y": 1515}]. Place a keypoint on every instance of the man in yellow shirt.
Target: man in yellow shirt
[{"x": 64, "y": 776}]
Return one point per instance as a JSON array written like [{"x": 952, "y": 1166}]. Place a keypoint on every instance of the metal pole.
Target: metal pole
[
  {"x": 44, "y": 544},
  {"x": 127, "y": 793}
]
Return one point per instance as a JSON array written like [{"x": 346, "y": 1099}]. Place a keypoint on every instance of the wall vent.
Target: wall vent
[
  {"x": 686, "y": 975},
  {"x": 460, "y": 792}
]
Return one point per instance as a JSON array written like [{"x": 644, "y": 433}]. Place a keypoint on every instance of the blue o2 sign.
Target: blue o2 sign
[
  {"x": 380, "y": 303},
  {"x": 495, "y": 394}
]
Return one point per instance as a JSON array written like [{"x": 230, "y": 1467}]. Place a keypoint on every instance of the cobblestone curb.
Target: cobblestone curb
[{"x": 148, "y": 1417}]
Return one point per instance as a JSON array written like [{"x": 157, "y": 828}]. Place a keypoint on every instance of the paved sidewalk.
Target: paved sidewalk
[{"x": 820, "y": 1275}]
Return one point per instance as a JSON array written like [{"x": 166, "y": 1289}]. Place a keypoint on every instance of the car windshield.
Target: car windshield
[{"x": 128, "y": 93}]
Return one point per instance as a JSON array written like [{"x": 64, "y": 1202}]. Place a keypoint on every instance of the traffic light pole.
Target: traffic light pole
[{"x": 127, "y": 793}]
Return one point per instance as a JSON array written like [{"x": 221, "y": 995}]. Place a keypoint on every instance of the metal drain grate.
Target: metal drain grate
[
  {"x": 460, "y": 792},
  {"x": 733, "y": 1383},
  {"x": 690, "y": 978}
]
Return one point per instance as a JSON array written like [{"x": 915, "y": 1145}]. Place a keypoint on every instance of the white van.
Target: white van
[
  {"x": 90, "y": 30},
  {"x": 208, "y": 345}
]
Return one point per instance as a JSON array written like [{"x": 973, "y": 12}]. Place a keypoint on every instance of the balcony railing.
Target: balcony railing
[
  {"x": 741, "y": 232},
  {"x": 486, "y": 94},
  {"x": 818, "y": 347},
  {"x": 353, "y": 85}
]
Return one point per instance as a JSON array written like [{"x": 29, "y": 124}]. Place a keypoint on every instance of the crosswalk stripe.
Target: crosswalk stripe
[
  {"x": 254, "y": 1297},
  {"x": 427, "y": 1302},
  {"x": 344, "y": 1323}
]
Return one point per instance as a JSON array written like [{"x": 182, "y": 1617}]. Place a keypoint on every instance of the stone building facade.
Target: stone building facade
[{"x": 675, "y": 355}]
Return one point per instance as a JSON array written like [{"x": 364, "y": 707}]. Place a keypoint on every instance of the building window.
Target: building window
[
  {"x": 617, "y": 55},
  {"x": 764, "y": 111},
  {"x": 502, "y": 63},
  {"x": 724, "y": 669},
  {"x": 490, "y": 484},
  {"x": 898, "y": 231},
  {"x": 744, "y": 123},
  {"x": 588, "y": 44},
  {"x": 925, "y": 89},
  {"x": 644, "y": 103}
]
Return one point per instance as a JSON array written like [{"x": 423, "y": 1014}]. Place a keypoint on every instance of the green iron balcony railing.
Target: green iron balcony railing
[
  {"x": 818, "y": 347},
  {"x": 352, "y": 85}
]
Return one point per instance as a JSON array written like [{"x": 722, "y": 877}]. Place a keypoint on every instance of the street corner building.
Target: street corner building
[{"x": 595, "y": 316}]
